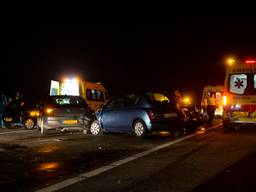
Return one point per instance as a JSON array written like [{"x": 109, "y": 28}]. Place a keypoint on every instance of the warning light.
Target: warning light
[
  {"x": 250, "y": 61},
  {"x": 230, "y": 61}
]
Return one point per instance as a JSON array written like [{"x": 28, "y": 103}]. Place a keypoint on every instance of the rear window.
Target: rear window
[
  {"x": 94, "y": 95},
  {"x": 244, "y": 83},
  {"x": 67, "y": 101},
  {"x": 157, "y": 97}
]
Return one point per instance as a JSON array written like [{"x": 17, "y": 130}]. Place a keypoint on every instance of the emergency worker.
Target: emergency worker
[
  {"x": 211, "y": 107},
  {"x": 178, "y": 101}
]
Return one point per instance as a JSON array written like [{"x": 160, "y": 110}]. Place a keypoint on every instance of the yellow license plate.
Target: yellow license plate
[
  {"x": 8, "y": 119},
  {"x": 241, "y": 114},
  {"x": 247, "y": 119},
  {"x": 69, "y": 122}
]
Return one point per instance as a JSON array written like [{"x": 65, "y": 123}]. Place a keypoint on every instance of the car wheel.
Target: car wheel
[
  {"x": 227, "y": 127},
  {"x": 139, "y": 128},
  {"x": 95, "y": 128},
  {"x": 29, "y": 123}
]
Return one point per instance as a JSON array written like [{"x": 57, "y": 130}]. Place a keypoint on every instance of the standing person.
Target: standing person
[
  {"x": 180, "y": 112},
  {"x": 3, "y": 103},
  {"x": 178, "y": 100},
  {"x": 17, "y": 108},
  {"x": 204, "y": 104},
  {"x": 211, "y": 106}
]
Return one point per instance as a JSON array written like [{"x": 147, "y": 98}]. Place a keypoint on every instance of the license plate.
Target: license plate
[
  {"x": 8, "y": 119},
  {"x": 247, "y": 119},
  {"x": 168, "y": 115},
  {"x": 69, "y": 122}
]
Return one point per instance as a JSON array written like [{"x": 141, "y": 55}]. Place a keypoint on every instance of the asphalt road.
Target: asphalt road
[{"x": 209, "y": 160}]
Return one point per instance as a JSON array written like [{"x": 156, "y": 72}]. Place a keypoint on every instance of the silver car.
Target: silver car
[{"x": 64, "y": 113}]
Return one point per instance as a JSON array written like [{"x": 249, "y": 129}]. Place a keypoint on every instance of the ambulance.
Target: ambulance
[
  {"x": 94, "y": 93},
  {"x": 239, "y": 98},
  {"x": 218, "y": 94}
]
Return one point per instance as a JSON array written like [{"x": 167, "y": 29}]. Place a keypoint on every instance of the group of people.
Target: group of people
[
  {"x": 208, "y": 104},
  {"x": 11, "y": 107}
]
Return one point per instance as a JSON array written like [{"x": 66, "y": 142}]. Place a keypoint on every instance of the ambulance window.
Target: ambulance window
[
  {"x": 255, "y": 81},
  {"x": 94, "y": 95},
  {"x": 99, "y": 95},
  {"x": 238, "y": 83},
  {"x": 89, "y": 94}
]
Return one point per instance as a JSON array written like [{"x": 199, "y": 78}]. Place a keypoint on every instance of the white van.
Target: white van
[{"x": 239, "y": 96}]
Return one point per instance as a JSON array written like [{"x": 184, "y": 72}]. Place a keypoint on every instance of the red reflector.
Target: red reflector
[
  {"x": 250, "y": 61},
  {"x": 151, "y": 114}
]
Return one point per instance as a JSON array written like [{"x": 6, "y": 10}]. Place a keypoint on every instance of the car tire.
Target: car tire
[
  {"x": 140, "y": 129},
  {"x": 227, "y": 127},
  {"x": 29, "y": 123},
  {"x": 95, "y": 128}
]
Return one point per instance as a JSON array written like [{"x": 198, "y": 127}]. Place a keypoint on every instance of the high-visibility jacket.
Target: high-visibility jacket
[{"x": 211, "y": 101}]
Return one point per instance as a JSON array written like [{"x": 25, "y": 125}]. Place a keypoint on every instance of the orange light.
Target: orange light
[
  {"x": 231, "y": 61},
  {"x": 47, "y": 149},
  {"x": 34, "y": 113},
  {"x": 187, "y": 101},
  {"x": 51, "y": 166},
  {"x": 49, "y": 110},
  {"x": 225, "y": 100}
]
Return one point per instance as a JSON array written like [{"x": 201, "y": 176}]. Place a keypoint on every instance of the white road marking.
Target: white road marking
[
  {"x": 83, "y": 176},
  {"x": 20, "y": 131}
]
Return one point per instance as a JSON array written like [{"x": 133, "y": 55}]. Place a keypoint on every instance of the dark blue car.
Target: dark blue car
[{"x": 138, "y": 113}]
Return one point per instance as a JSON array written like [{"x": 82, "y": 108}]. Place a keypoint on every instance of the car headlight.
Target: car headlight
[
  {"x": 34, "y": 113},
  {"x": 49, "y": 110}
]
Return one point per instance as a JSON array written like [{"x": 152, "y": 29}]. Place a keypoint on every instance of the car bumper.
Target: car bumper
[
  {"x": 161, "y": 125},
  {"x": 240, "y": 117},
  {"x": 67, "y": 123},
  {"x": 243, "y": 121}
]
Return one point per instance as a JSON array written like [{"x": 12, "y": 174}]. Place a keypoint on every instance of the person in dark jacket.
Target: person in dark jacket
[
  {"x": 17, "y": 109},
  {"x": 211, "y": 107},
  {"x": 3, "y": 103}
]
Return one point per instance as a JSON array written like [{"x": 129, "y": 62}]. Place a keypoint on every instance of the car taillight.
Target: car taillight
[{"x": 151, "y": 114}]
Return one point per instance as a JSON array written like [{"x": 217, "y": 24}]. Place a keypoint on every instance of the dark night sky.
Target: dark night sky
[{"x": 184, "y": 52}]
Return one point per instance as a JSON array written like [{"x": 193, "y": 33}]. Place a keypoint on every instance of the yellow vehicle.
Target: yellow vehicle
[
  {"x": 94, "y": 94},
  {"x": 218, "y": 93},
  {"x": 239, "y": 98}
]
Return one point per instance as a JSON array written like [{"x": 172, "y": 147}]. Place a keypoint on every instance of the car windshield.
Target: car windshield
[
  {"x": 244, "y": 83},
  {"x": 157, "y": 97},
  {"x": 67, "y": 101}
]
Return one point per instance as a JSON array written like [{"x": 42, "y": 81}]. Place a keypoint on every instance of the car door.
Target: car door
[
  {"x": 128, "y": 113},
  {"x": 111, "y": 115}
]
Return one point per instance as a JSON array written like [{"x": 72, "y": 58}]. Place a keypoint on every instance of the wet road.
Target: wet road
[
  {"x": 29, "y": 161},
  {"x": 198, "y": 164}
]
